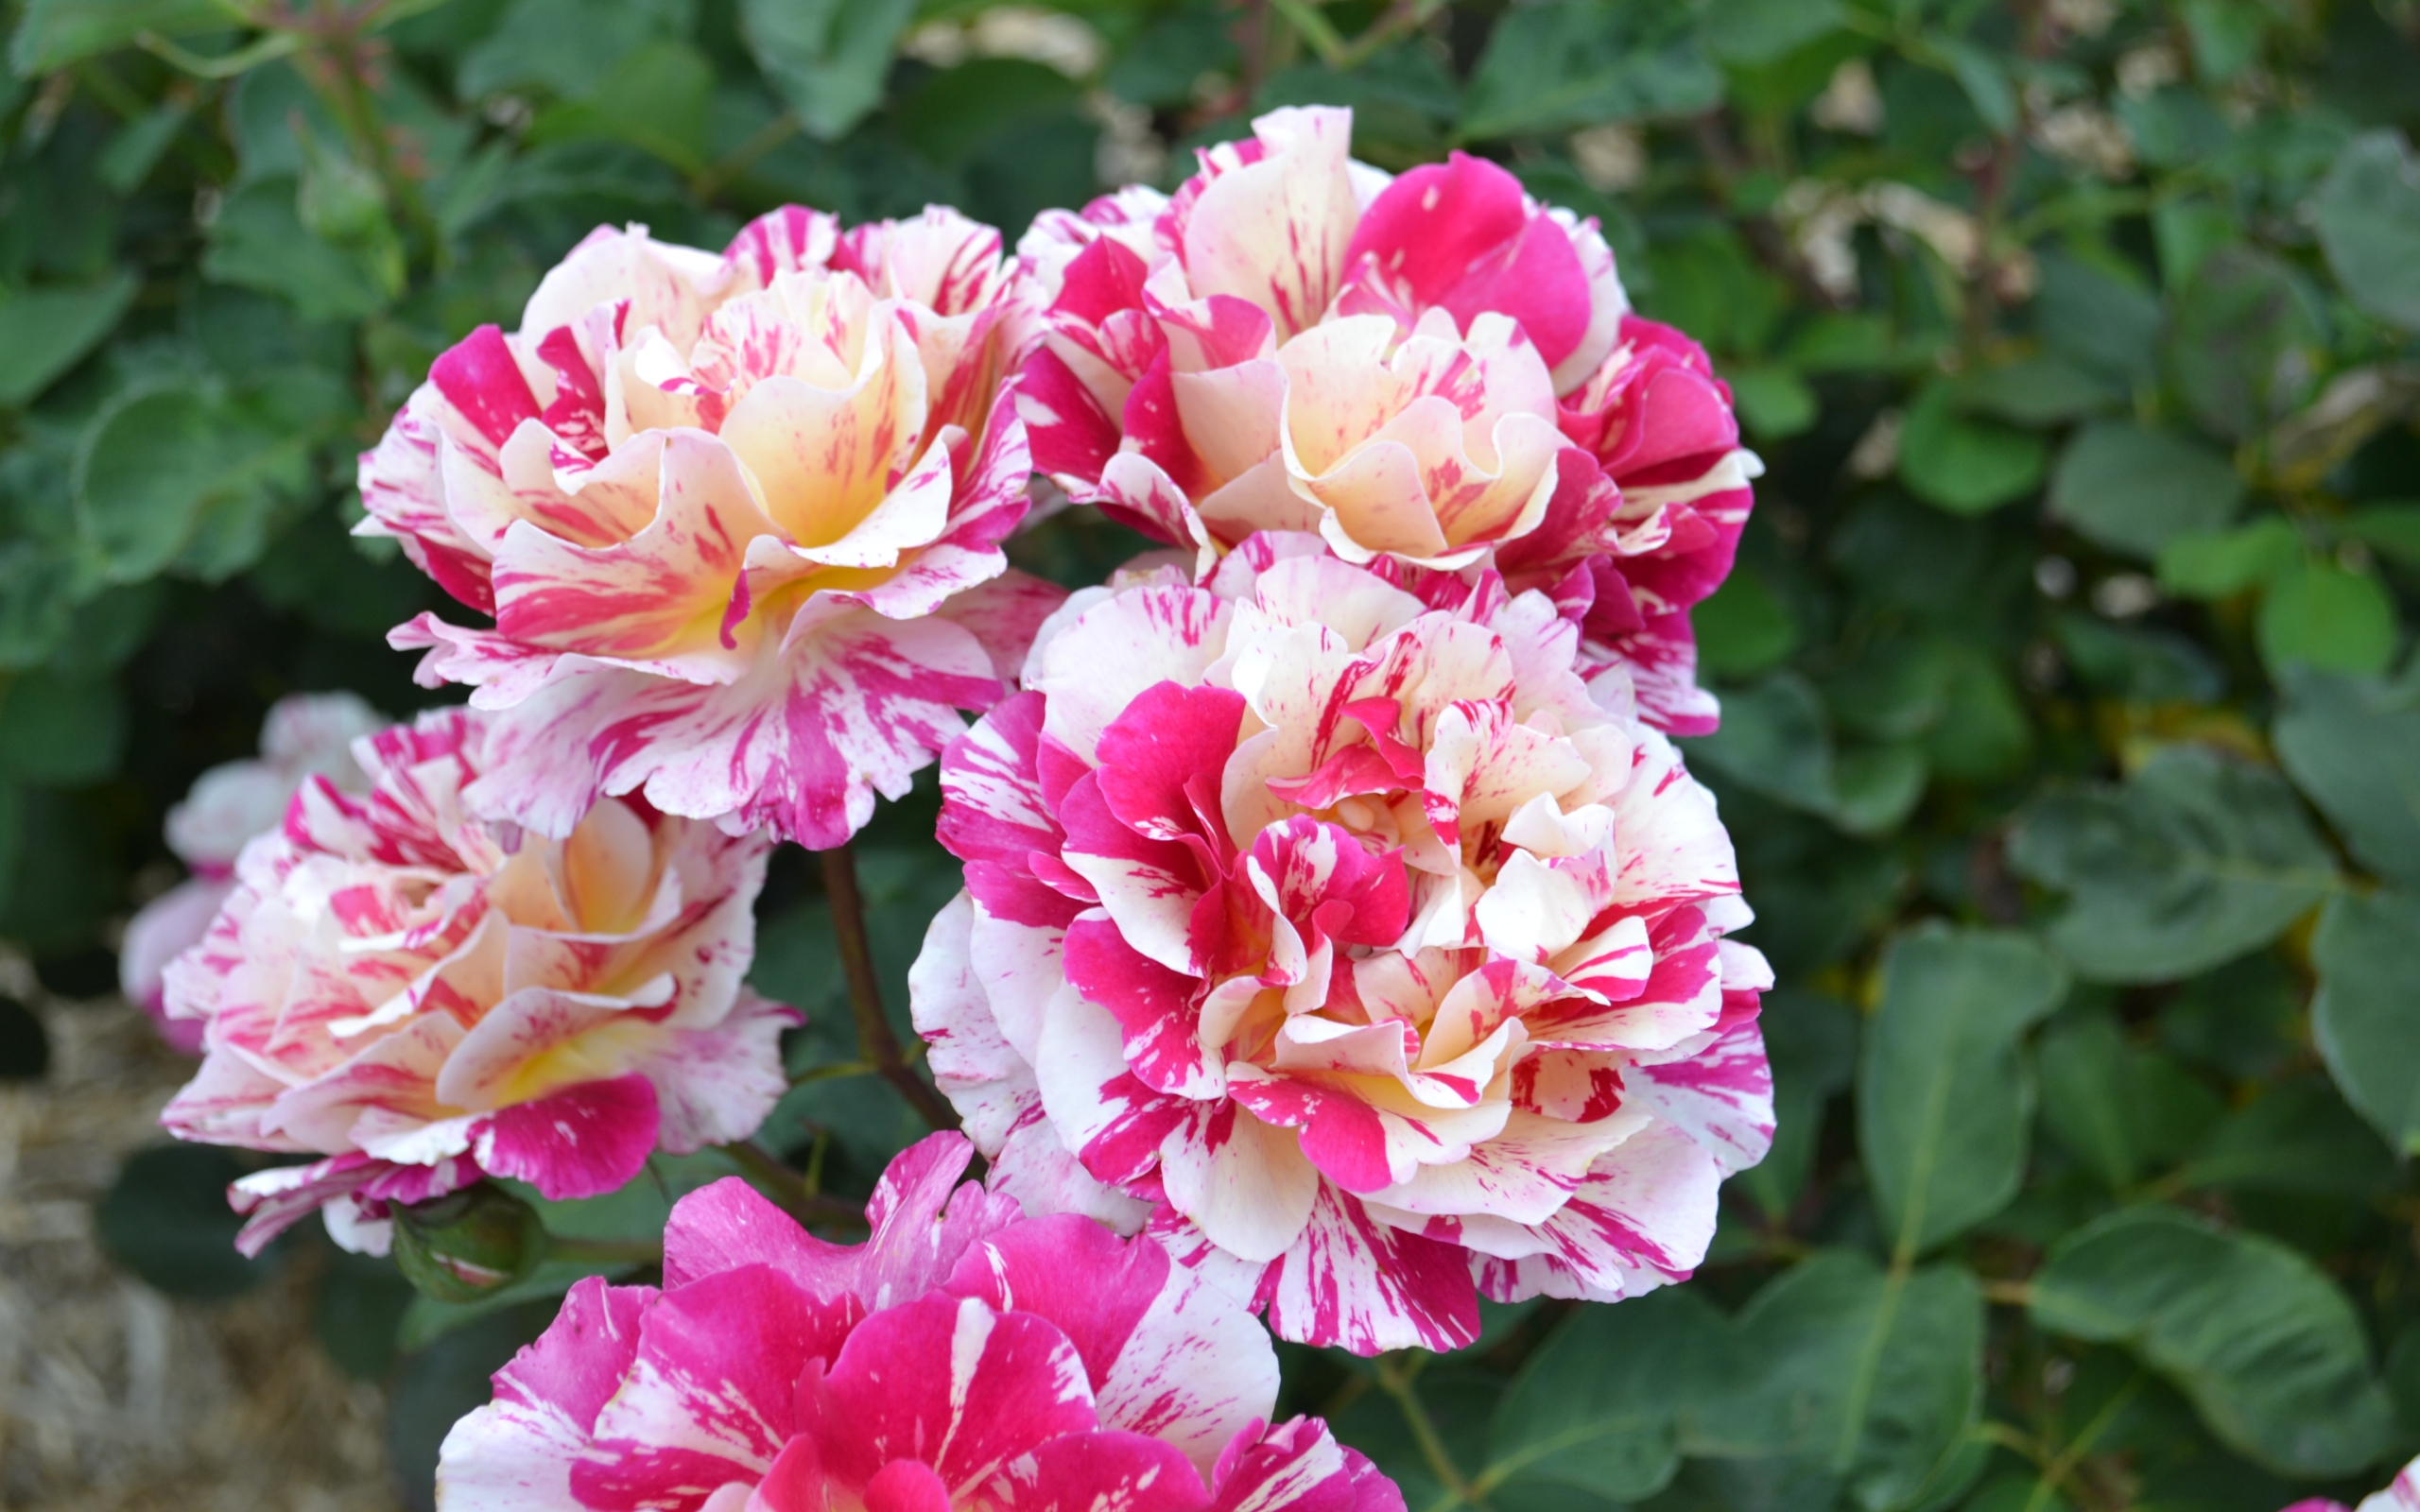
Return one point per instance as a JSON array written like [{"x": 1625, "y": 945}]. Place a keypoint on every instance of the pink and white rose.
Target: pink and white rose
[
  {"x": 1324, "y": 921},
  {"x": 423, "y": 997},
  {"x": 2401, "y": 1495},
  {"x": 1433, "y": 367},
  {"x": 306, "y": 735},
  {"x": 963, "y": 1357},
  {"x": 736, "y": 517}
]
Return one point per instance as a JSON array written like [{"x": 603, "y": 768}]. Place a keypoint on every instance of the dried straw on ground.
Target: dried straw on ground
[{"x": 113, "y": 1396}]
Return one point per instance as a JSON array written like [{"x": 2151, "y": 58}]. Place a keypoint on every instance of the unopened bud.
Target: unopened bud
[{"x": 460, "y": 1247}]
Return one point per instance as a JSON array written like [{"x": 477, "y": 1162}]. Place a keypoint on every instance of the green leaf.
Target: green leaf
[
  {"x": 827, "y": 58},
  {"x": 1982, "y": 733},
  {"x": 2123, "y": 1110},
  {"x": 2212, "y": 564},
  {"x": 1775, "y": 402},
  {"x": 2350, "y": 744},
  {"x": 60, "y": 732},
  {"x": 258, "y": 242},
  {"x": 1743, "y": 627},
  {"x": 1874, "y": 1376},
  {"x": 2185, "y": 232},
  {"x": 1595, "y": 1409},
  {"x": 1942, "y": 1099},
  {"x": 1764, "y": 31},
  {"x": 361, "y": 1306},
  {"x": 2296, "y": 1137},
  {"x": 154, "y": 465},
  {"x": 1876, "y": 787},
  {"x": 1811, "y": 1041},
  {"x": 565, "y": 48},
  {"x": 166, "y": 1220},
  {"x": 2093, "y": 316},
  {"x": 1980, "y": 76},
  {"x": 655, "y": 100},
  {"x": 45, "y": 332},
  {"x": 2138, "y": 662},
  {"x": 2318, "y": 614},
  {"x": 54, "y": 33},
  {"x": 1571, "y": 62},
  {"x": 1774, "y": 740},
  {"x": 2263, "y": 1344},
  {"x": 2391, "y": 530},
  {"x": 2045, "y": 391},
  {"x": 2198, "y": 859},
  {"x": 2361, "y": 1015},
  {"x": 1966, "y": 466},
  {"x": 136, "y": 149},
  {"x": 2131, "y": 488},
  {"x": 2247, "y": 341},
  {"x": 952, "y": 114},
  {"x": 2369, "y": 222}
]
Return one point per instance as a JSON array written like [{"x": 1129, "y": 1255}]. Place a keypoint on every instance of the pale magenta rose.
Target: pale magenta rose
[
  {"x": 2401, "y": 1495},
  {"x": 306, "y": 735},
  {"x": 1434, "y": 367},
  {"x": 964, "y": 1356},
  {"x": 423, "y": 997},
  {"x": 1324, "y": 919},
  {"x": 738, "y": 519}
]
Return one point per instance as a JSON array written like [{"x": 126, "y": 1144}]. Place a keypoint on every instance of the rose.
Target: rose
[
  {"x": 1434, "y": 367},
  {"x": 1342, "y": 932},
  {"x": 964, "y": 1356},
  {"x": 737, "y": 518},
  {"x": 305, "y": 734},
  {"x": 2401, "y": 1495},
  {"x": 423, "y": 997}
]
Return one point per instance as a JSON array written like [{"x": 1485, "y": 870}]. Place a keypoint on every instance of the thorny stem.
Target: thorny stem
[
  {"x": 1396, "y": 1373},
  {"x": 876, "y": 1045}
]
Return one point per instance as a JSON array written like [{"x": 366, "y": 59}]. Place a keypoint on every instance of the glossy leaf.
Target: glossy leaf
[
  {"x": 2264, "y": 1344},
  {"x": 1570, "y": 63},
  {"x": 2131, "y": 488},
  {"x": 152, "y": 467},
  {"x": 1965, "y": 465},
  {"x": 2361, "y": 1015},
  {"x": 827, "y": 58},
  {"x": 2197, "y": 859},
  {"x": 2369, "y": 220},
  {"x": 43, "y": 332},
  {"x": 2318, "y": 614},
  {"x": 1596, "y": 1409},
  {"x": 2350, "y": 744},
  {"x": 1870, "y": 1376},
  {"x": 1943, "y": 1098}
]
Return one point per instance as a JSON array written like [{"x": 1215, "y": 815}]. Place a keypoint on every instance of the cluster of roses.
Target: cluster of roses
[{"x": 1343, "y": 938}]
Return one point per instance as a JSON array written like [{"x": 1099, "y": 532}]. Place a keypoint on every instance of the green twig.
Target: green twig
[
  {"x": 877, "y": 1043},
  {"x": 227, "y": 65},
  {"x": 1396, "y": 1373},
  {"x": 743, "y": 157},
  {"x": 796, "y": 1192}
]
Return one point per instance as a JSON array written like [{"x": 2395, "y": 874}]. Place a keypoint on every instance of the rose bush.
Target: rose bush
[
  {"x": 964, "y": 1356},
  {"x": 738, "y": 519},
  {"x": 423, "y": 997},
  {"x": 1434, "y": 367},
  {"x": 1324, "y": 919}
]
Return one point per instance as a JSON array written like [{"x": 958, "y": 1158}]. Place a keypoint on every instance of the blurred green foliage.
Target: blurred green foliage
[{"x": 2065, "y": 748}]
